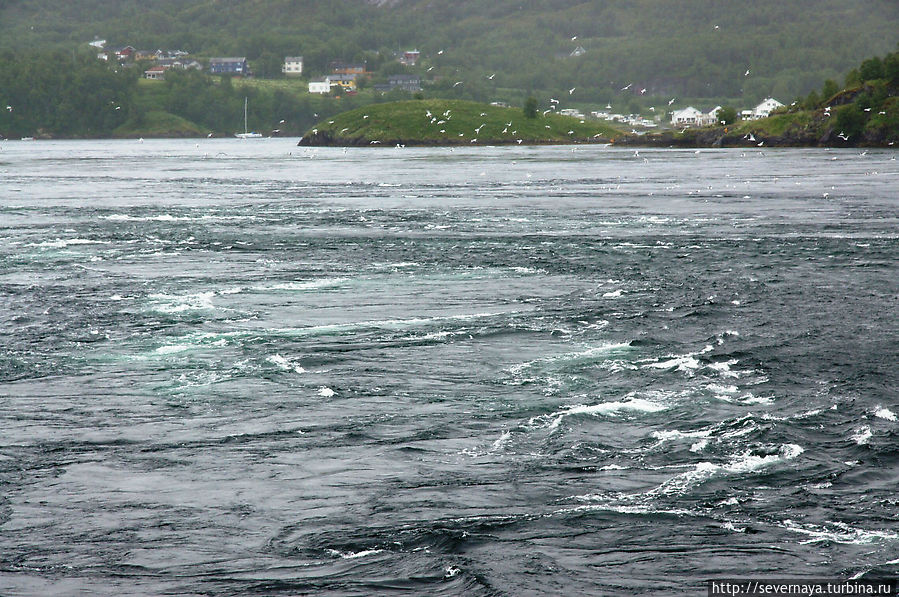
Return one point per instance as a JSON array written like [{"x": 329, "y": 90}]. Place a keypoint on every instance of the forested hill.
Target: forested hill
[{"x": 683, "y": 48}]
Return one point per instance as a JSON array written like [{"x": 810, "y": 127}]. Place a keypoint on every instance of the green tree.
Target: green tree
[
  {"x": 871, "y": 69},
  {"x": 850, "y": 120},
  {"x": 727, "y": 115},
  {"x": 829, "y": 90},
  {"x": 530, "y": 107},
  {"x": 811, "y": 101},
  {"x": 891, "y": 68}
]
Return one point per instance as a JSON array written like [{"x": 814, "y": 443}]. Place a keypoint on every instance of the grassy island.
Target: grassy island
[{"x": 452, "y": 122}]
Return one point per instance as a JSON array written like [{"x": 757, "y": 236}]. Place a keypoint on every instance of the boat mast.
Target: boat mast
[{"x": 245, "y": 114}]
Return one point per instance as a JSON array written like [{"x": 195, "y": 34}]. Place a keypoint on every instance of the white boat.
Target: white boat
[{"x": 246, "y": 134}]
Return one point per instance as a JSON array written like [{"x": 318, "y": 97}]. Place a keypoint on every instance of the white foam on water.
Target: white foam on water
[
  {"x": 672, "y": 435},
  {"x": 349, "y": 555},
  {"x": 610, "y": 408},
  {"x": 503, "y": 439},
  {"x": 585, "y": 355},
  {"x": 284, "y": 363},
  {"x": 686, "y": 363},
  {"x": 326, "y": 392},
  {"x": 746, "y": 462},
  {"x": 699, "y": 446},
  {"x": 862, "y": 435},
  {"x": 304, "y": 285},
  {"x": 173, "y": 348},
  {"x": 613, "y": 294},
  {"x": 170, "y": 303},
  {"x": 885, "y": 413},
  {"x": 720, "y": 389},
  {"x": 61, "y": 243},
  {"x": 613, "y": 467},
  {"x": 838, "y": 532}
]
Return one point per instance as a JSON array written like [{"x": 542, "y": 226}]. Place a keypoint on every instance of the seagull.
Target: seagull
[
  {"x": 491, "y": 76},
  {"x": 430, "y": 69},
  {"x": 570, "y": 132},
  {"x": 374, "y": 142},
  {"x": 553, "y": 100},
  {"x": 282, "y": 121},
  {"x": 209, "y": 135},
  {"x": 716, "y": 27},
  {"x": 546, "y": 111},
  {"x": 478, "y": 130},
  {"x": 9, "y": 108},
  {"x": 608, "y": 106},
  {"x": 746, "y": 74},
  {"x": 457, "y": 83},
  {"x": 671, "y": 101},
  {"x": 345, "y": 129},
  {"x": 570, "y": 91},
  {"x": 519, "y": 141},
  {"x": 574, "y": 38},
  {"x": 643, "y": 91},
  {"x": 440, "y": 52},
  {"x": 364, "y": 116},
  {"x": 626, "y": 87}
]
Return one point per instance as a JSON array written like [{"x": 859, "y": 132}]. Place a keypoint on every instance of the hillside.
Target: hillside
[
  {"x": 634, "y": 51},
  {"x": 451, "y": 122},
  {"x": 864, "y": 114}
]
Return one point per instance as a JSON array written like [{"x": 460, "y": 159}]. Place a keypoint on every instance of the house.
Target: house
[
  {"x": 689, "y": 116},
  {"x": 98, "y": 43},
  {"x": 710, "y": 118},
  {"x": 406, "y": 82},
  {"x": 293, "y": 66},
  {"x": 346, "y": 81},
  {"x": 339, "y": 67},
  {"x": 764, "y": 109},
  {"x": 146, "y": 54},
  {"x": 321, "y": 85},
  {"x": 229, "y": 66},
  {"x": 125, "y": 53},
  {"x": 156, "y": 73},
  {"x": 410, "y": 58}
]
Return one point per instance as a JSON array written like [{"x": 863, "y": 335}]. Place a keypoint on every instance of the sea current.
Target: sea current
[{"x": 246, "y": 368}]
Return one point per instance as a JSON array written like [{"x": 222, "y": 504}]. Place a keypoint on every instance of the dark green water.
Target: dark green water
[{"x": 234, "y": 367}]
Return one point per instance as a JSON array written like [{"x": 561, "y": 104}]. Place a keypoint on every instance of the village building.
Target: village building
[
  {"x": 689, "y": 116},
  {"x": 229, "y": 66},
  {"x": 410, "y": 58},
  {"x": 338, "y": 67},
  {"x": 156, "y": 73},
  {"x": 293, "y": 66},
  {"x": 764, "y": 109},
  {"x": 405, "y": 82},
  {"x": 320, "y": 85},
  {"x": 578, "y": 51}
]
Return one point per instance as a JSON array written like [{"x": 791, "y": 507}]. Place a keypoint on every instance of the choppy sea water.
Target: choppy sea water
[{"x": 245, "y": 368}]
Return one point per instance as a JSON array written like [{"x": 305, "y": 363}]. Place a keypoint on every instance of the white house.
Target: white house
[
  {"x": 710, "y": 118},
  {"x": 689, "y": 116},
  {"x": 321, "y": 85},
  {"x": 764, "y": 109},
  {"x": 293, "y": 66}
]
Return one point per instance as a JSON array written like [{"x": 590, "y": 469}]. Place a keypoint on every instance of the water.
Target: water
[{"x": 241, "y": 368}]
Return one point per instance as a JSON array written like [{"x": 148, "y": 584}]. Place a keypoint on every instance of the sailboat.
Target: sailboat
[{"x": 246, "y": 134}]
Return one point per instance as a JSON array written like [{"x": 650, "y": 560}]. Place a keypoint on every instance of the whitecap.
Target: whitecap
[
  {"x": 350, "y": 555},
  {"x": 326, "y": 392},
  {"x": 862, "y": 435},
  {"x": 746, "y": 462},
  {"x": 61, "y": 243},
  {"x": 284, "y": 363},
  {"x": 173, "y": 348},
  {"x": 686, "y": 363},
  {"x": 838, "y": 532},
  {"x": 608, "y": 408},
  {"x": 613, "y": 294},
  {"x": 885, "y": 413}
]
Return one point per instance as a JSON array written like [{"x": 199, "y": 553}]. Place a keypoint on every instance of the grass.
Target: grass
[
  {"x": 452, "y": 122},
  {"x": 157, "y": 123}
]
